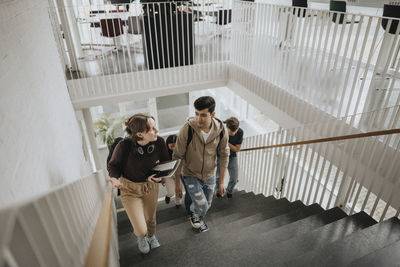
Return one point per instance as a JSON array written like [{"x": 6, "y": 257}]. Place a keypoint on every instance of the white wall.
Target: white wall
[{"x": 40, "y": 140}]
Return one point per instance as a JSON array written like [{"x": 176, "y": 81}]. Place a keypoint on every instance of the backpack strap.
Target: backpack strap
[
  {"x": 112, "y": 147},
  {"x": 190, "y": 136},
  {"x": 126, "y": 144},
  {"x": 221, "y": 135},
  {"x": 127, "y": 150}
]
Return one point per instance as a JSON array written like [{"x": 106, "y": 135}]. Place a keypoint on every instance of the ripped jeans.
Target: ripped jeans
[{"x": 201, "y": 193}]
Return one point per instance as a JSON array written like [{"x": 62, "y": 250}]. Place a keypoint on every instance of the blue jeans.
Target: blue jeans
[
  {"x": 233, "y": 169},
  {"x": 188, "y": 200},
  {"x": 201, "y": 193}
]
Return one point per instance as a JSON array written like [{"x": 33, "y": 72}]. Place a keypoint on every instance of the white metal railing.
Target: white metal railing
[
  {"x": 339, "y": 62},
  {"x": 357, "y": 174},
  {"x": 144, "y": 45},
  {"x": 55, "y": 229}
]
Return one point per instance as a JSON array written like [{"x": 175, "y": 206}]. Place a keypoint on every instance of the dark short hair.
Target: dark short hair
[
  {"x": 232, "y": 123},
  {"x": 171, "y": 139},
  {"x": 136, "y": 124},
  {"x": 205, "y": 102}
]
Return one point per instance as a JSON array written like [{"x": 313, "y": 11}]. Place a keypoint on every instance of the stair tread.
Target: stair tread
[
  {"x": 226, "y": 209},
  {"x": 351, "y": 247},
  {"x": 263, "y": 231},
  {"x": 124, "y": 225},
  {"x": 214, "y": 240},
  {"x": 181, "y": 229},
  {"x": 268, "y": 225},
  {"x": 173, "y": 217},
  {"x": 284, "y": 232},
  {"x": 282, "y": 251},
  {"x": 300, "y": 213},
  {"x": 236, "y": 212},
  {"x": 161, "y": 205},
  {"x": 386, "y": 256},
  {"x": 129, "y": 252},
  {"x": 233, "y": 221},
  {"x": 214, "y": 220},
  {"x": 301, "y": 226},
  {"x": 171, "y": 213}
]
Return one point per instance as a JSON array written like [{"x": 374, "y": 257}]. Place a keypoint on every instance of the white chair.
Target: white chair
[
  {"x": 135, "y": 32},
  {"x": 205, "y": 31},
  {"x": 112, "y": 28}
]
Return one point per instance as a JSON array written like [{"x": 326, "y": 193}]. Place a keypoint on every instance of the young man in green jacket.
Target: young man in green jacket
[{"x": 197, "y": 145}]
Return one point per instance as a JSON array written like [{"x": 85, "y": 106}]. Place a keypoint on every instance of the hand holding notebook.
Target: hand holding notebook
[{"x": 165, "y": 169}]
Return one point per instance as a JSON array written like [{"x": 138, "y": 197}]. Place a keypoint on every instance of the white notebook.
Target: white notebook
[{"x": 165, "y": 169}]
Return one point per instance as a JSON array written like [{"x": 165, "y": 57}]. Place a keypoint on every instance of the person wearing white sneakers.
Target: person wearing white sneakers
[{"x": 128, "y": 168}]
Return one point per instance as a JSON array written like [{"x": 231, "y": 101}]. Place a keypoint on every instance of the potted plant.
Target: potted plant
[{"x": 106, "y": 126}]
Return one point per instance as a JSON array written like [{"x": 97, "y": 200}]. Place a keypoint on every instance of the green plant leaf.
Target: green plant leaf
[{"x": 105, "y": 128}]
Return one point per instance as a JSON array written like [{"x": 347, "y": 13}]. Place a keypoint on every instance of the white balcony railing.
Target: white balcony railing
[
  {"x": 114, "y": 49},
  {"x": 56, "y": 228},
  {"x": 339, "y": 62},
  {"x": 357, "y": 174}
]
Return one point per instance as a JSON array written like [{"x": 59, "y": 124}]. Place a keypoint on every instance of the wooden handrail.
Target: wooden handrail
[
  {"x": 327, "y": 139},
  {"x": 99, "y": 248}
]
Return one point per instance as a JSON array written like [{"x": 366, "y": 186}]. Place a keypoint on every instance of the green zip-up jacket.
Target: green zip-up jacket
[{"x": 199, "y": 158}]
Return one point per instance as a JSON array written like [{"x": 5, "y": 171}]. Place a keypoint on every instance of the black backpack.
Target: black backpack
[
  {"x": 111, "y": 151},
  {"x": 112, "y": 147}
]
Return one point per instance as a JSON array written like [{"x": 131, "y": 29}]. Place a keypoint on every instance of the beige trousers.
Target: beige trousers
[{"x": 140, "y": 203}]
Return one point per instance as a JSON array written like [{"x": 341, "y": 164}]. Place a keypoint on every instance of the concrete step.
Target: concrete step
[{"x": 351, "y": 247}]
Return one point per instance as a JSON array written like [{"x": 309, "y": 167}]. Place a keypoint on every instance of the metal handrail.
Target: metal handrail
[
  {"x": 98, "y": 252},
  {"x": 327, "y": 139}
]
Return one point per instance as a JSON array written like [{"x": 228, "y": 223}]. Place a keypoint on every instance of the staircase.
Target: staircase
[{"x": 254, "y": 230}]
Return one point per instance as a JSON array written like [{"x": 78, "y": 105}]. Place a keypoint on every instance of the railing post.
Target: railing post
[
  {"x": 71, "y": 34},
  {"x": 344, "y": 187},
  {"x": 152, "y": 103},
  {"x": 92, "y": 137},
  {"x": 380, "y": 80}
]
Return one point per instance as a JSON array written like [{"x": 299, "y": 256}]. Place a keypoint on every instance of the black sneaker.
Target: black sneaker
[
  {"x": 177, "y": 206},
  {"x": 167, "y": 199},
  {"x": 219, "y": 195},
  {"x": 229, "y": 195},
  {"x": 195, "y": 221},
  {"x": 203, "y": 227}
]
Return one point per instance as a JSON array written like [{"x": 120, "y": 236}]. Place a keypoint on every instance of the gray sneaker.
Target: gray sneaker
[
  {"x": 153, "y": 242},
  {"x": 143, "y": 245}
]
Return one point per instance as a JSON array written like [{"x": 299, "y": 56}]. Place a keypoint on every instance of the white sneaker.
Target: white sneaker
[
  {"x": 195, "y": 221},
  {"x": 143, "y": 245},
  {"x": 153, "y": 242}
]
